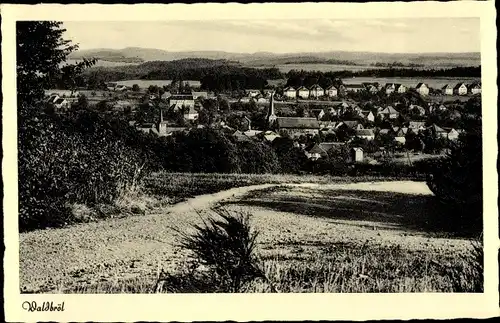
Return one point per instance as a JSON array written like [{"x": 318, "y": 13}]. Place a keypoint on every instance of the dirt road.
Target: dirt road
[{"x": 133, "y": 246}]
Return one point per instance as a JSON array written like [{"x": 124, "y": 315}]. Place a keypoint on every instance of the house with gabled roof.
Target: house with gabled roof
[
  {"x": 316, "y": 91},
  {"x": 389, "y": 113},
  {"x": 474, "y": 88},
  {"x": 61, "y": 104},
  {"x": 352, "y": 124},
  {"x": 390, "y": 88},
  {"x": 367, "y": 134},
  {"x": 290, "y": 92},
  {"x": 268, "y": 135},
  {"x": 400, "y": 88},
  {"x": 354, "y": 87},
  {"x": 169, "y": 131},
  {"x": 368, "y": 115},
  {"x": 252, "y": 133},
  {"x": 452, "y": 134},
  {"x": 327, "y": 125},
  {"x": 297, "y": 126},
  {"x": 303, "y": 92},
  {"x": 331, "y": 91},
  {"x": 240, "y": 136},
  {"x": 447, "y": 89},
  {"x": 460, "y": 89},
  {"x": 422, "y": 88},
  {"x": 321, "y": 150},
  {"x": 178, "y": 101},
  {"x": 372, "y": 87},
  {"x": 416, "y": 126},
  {"x": 356, "y": 154},
  {"x": 438, "y": 131}
]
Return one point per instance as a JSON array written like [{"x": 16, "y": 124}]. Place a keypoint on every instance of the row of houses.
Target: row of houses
[
  {"x": 461, "y": 89},
  {"x": 314, "y": 91},
  {"x": 317, "y": 91},
  {"x": 384, "y": 113}
]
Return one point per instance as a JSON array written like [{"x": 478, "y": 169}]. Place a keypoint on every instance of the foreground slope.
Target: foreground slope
[{"x": 297, "y": 222}]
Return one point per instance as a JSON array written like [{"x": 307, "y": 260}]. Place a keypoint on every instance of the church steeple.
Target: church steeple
[
  {"x": 162, "y": 125},
  {"x": 271, "y": 117}
]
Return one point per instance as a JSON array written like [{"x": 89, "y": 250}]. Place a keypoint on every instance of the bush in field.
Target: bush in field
[
  {"x": 469, "y": 277},
  {"x": 291, "y": 159},
  {"x": 202, "y": 151},
  {"x": 257, "y": 158},
  {"x": 70, "y": 159},
  {"x": 456, "y": 180},
  {"x": 226, "y": 246}
]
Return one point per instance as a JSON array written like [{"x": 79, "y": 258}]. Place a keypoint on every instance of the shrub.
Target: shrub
[
  {"x": 457, "y": 182},
  {"x": 70, "y": 159},
  {"x": 226, "y": 246},
  {"x": 470, "y": 276}
]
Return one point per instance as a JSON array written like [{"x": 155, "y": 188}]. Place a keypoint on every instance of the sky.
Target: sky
[{"x": 416, "y": 35}]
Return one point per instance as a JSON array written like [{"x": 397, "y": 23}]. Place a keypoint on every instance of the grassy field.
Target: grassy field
[
  {"x": 350, "y": 238},
  {"x": 315, "y": 234},
  {"x": 285, "y": 68},
  {"x": 185, "y": 185},
  {"x": 339, "y": 268}
]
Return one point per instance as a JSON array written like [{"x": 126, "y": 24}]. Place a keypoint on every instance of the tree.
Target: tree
[
  {"x": 291, "y": 158},
  {"x": 456, "y": 181},
  {"x": 136, "y": 88},
  {"x": 82, "y": 103},
  {"x": 40, "y": 52}
]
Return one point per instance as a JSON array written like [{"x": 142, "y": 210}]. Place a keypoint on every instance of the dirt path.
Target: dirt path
[{"x": 133, "y": 246}]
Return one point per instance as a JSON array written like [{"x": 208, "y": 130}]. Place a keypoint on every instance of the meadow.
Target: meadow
[
  {"x": 145, "y": 83},
  {"x": 359, "y": 237},
  {"x": 285, "y": 68},
  {"x": 180, "y": 186},
  {"x": 315, "y": 234}
]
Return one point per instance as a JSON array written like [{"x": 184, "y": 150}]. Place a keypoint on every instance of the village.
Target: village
[
  {"x": 251, "y": 165},
  {"x": 320, "y": 121}
]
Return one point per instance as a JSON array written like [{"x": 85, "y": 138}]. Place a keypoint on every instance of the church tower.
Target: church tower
[
  {"x": 162, "y": 125},
  {"x": 271, "y": 117}
]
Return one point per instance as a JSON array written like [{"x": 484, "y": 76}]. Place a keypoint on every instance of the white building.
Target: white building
[
  {"x": 460, "y": 89},
  {"x": 331, "y": 91},
  {"x": 290, "y": 92},
  {"x": 422, "y": 88},
  {"x": 303, "y": 92},
  {"x": 316, "y": 91}
]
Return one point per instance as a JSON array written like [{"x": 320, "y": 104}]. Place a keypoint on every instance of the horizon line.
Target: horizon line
[{"x": 271, "y": 52}]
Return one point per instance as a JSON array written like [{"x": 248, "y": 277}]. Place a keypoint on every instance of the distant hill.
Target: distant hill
[{"x": 267, "y": 59}]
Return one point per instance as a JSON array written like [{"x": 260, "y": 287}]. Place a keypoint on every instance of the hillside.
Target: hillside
[{"x": 137, "y": 55}]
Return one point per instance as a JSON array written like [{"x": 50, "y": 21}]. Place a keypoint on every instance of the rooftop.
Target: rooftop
[{"x": 298, "y": 123}]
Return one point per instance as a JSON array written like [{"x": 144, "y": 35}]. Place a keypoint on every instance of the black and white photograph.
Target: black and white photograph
[{"x": 257, "y": 155}]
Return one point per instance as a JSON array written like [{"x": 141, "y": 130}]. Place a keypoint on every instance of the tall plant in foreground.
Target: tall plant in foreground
[
  {"x": 469, "y": 278},
  {"x": 226, "y": 246}
]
